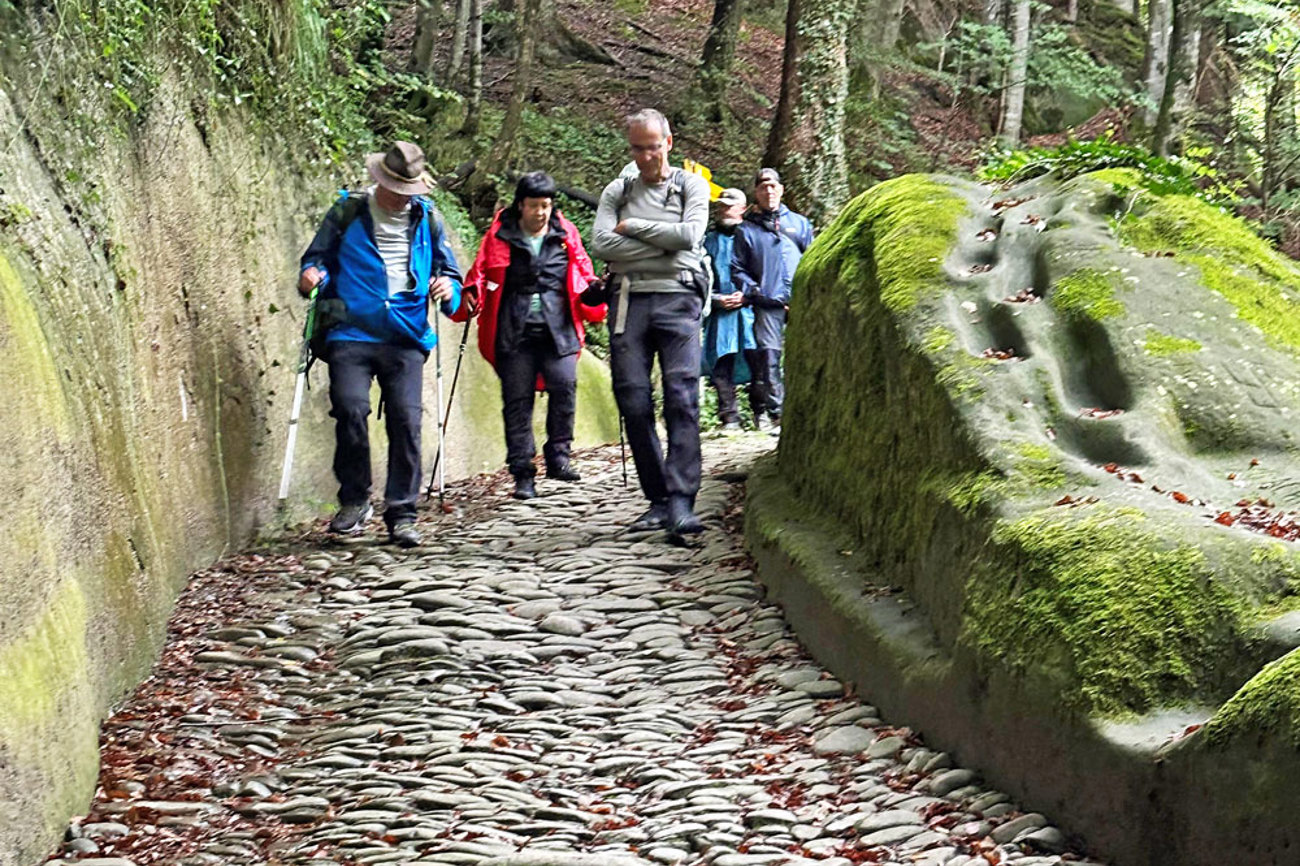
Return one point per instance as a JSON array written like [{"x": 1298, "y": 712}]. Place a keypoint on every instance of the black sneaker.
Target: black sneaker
[
  {"x": 652, "y": 519},
  {"x": 524, "y": 488},
  {"x": 681, "y": 517},
  {"x": 563, "y": 472},
  {"x": 404, "y": 534},
  {"x": 351, "y": 519}
]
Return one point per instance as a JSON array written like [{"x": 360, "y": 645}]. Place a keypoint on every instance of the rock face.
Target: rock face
[
  {"x": 148, "y": 333},
  {"x": 1055, "y": 426}
]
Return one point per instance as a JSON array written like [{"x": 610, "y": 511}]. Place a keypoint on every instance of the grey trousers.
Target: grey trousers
[{"x": 667, "y": 326}]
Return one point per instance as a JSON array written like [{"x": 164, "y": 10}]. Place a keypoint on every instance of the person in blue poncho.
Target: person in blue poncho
[
  {"x": 729, "y": 331},
  {"x": 769, "y": 244},
  {"x": 383, "y": 254}
]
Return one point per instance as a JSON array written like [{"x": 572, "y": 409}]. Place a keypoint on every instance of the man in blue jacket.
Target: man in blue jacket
[
  {"x": 769, "y": 244},
  {"x": 383, "y": 253},
  {"x": 729, "y": 331}
]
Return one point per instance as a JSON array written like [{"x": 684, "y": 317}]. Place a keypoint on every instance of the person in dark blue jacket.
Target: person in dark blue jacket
[
  {"x": 769, "y": 243},
  {"x": 384, "y": 254},
  {"x": 729, "y": 331}
]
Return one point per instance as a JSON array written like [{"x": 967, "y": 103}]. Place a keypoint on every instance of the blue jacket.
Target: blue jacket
[
  {"x": 345, "y": 249},
  {"x": 763, "y": 265},
  {"x": 726, "y": 332}
]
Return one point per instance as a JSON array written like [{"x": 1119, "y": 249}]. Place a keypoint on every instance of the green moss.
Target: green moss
[
  {"x": 938, "y": 339},
  {"x": 1087, "y": 293},
  {"x": 1121, "y": 179},
  {"x": 1268, "y": 703},
  {"x": 1032, "y": 468},
  {"x": 1121, "y": 621},
  {"x": 1037, "y": 466},
  {"x": 1233, "y": 261},
  {"x": 905, "y": 226},
  {"x": 1161, "y": 345}
]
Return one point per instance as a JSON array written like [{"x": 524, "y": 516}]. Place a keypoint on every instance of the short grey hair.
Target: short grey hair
[{"x": 648, "y": 117}]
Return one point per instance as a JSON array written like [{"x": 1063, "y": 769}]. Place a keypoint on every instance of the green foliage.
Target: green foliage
[
  {"x": 1123, "y": 620},
  {"x": 310, "y": 69},
  {"x": 1086, "y": 293},
  {"x": 1182, "y": 175}
]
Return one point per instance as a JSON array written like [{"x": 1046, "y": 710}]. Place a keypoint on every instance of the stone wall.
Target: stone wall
[{"x": 148, "y": 333}]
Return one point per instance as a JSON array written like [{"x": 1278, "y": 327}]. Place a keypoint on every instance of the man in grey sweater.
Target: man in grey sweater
[{"x": 650, "y": 229}]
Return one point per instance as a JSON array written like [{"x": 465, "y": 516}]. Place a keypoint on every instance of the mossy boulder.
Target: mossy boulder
[{"x": 1059, "y": 421}]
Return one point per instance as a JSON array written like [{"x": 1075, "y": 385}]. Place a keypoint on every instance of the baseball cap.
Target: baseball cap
[{"x": 730, "y": 197}]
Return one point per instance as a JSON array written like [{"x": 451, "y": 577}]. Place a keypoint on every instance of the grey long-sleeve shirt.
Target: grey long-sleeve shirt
[{"x": 665, "y": 232}]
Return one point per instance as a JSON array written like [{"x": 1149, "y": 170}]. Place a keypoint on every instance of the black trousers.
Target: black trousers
[
  {"x": 766, "y": 389},
  {"x": 399, "y": 370},
  {"x": 724, "y": 382},
  {"x": 518, "y": 369},
  {"x": 666, "y": 325}
]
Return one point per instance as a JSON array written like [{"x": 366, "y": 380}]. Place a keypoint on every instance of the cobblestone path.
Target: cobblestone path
[{"x": 535, "y": 686}]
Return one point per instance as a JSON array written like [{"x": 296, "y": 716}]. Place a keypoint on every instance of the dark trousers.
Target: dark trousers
[
  {"x": 766, "y": 390},
  {"x": 724, "y": 382},
  {"x": 668, "y": 326},
  {"x": 399, "y": 370},
  {"x": 518, "y": 369}
]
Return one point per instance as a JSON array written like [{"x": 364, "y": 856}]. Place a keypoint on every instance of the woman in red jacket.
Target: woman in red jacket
[{"x": 530, "y": 273}]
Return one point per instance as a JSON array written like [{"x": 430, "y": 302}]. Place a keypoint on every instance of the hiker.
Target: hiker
[
  {"x": 650, "y": 229},
  {"x": 769, "y": 243},
  {"x": 529, "y": 276},
  {"x": 729, "y": 331},
  {"x": 383, "y": 253}
]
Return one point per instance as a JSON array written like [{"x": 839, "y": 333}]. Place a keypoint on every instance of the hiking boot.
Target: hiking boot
[
  {"x": 563, "y": 472},
  {"x": 524, "y": 488},
  {"x": 731, "y": 427},
  {"x": 404, "y": 534},
  {"x": 681, "y": 517},
  {"x": 351, "y": 519},
  {"x": 653, "y": 519},
  {"x": 774, "y": 425}
]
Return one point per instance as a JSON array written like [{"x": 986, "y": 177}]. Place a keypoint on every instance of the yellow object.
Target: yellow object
[{"x": 703, "y": 171}]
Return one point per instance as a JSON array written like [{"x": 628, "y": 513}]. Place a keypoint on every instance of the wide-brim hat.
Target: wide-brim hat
[{"x": 400, "y": 170}]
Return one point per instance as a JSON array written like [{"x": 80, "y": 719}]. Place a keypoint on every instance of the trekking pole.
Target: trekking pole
[
  {"x": 437, "y": 358},
  {"x": 451, "y": 396},
  {"x": 622, "y": 447},
  {"x": 304, "y": 361}
]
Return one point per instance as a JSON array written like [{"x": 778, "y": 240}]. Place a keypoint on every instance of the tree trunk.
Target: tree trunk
[
  {"x": 891, "y": 23},
  {"x": 719, "y": 52},
  {"x": 427, "y": 25},
  {"x": 459, "y": 36},
  {"x": 527, "y": 15},
  {"x": 1189, "y": 64},
  {"x": 474, "y": 101},
  {"x": 1072, "y": 11},
  {"x": 1169, "y": 121},
  {"x": 1156, "y": 62},
  {"x": 779, "y": 132},
  {"x": 1017, "y": 74},
  {"x": 806, "y": 143},
  {"x": 994, "y": 12}
]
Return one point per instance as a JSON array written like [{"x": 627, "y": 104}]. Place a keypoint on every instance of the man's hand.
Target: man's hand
[
  {"x": 621, "y": 228},
  {"x": 310, "y": 279},
  {"x": 732, "y": 301},
  {"x": 441, "y": 289}
]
